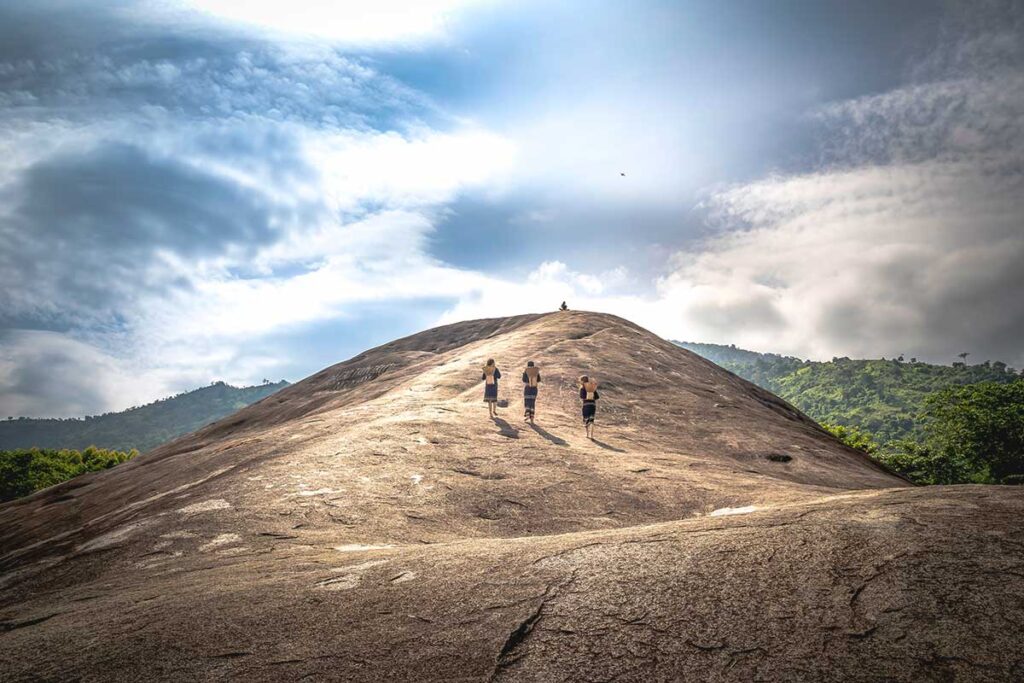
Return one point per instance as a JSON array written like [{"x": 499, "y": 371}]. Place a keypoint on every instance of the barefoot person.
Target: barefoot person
[
  {"x": 490, "y": 377},
  {"x": 589, "y": 395},
  {"x": 531, "y": 378}
]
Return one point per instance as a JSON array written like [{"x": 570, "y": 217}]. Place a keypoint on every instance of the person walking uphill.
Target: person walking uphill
[
  {"x": 490, "y": 377},
  {"x": 589, "y": 395},
  {"x": 531, "y": 378}
]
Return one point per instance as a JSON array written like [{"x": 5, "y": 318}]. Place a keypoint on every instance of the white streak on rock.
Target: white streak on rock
[
  {"x": 721, "y": 512},
  {"x": 217, "y": 541}
]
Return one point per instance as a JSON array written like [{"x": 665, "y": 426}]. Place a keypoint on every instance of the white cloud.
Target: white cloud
[
  {"x": 374, "y": 259},
  {"x": 362, "y": 23},
  {"x": 346, "y": 257},
  {"x": 48, "y": 374},
  {"x": 918, "y": 259},
  {"x": 545, "y": 287},
  {"x": 284, "y": 139},
  {"x": 909, "y": 241},
  {"x": 350, "y": 256},
  {"x": 397, "y": 170}
]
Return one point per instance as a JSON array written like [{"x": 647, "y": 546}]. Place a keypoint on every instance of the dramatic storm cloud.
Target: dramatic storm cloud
[
  {"x": 206, "y": 190},
  {"x": 910, "y": 239}
]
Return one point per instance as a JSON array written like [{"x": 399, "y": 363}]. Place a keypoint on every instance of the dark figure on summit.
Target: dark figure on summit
[
  {"x": 490, "y": 377},
  {"x": 563, "y": 307},
  {"x": 531, "y": 378},
  {"x": 589, "y": 396}
]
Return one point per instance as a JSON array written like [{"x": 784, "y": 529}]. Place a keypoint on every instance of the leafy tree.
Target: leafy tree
[
  {"x": 971, "y": 434},
  {"x": 935, "y": 424},
  {"x": 26, "y": 470},
  {"x": 884, "y": 398},
  {"x": 981, "y": 425},
  {"x": 922, "y": 464},
  {"x": 853, "y": 437}
]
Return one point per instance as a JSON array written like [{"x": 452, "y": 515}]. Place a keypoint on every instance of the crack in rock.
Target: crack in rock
[
  {"x": 522, "y": 631},
  {"x": 6, "y": 626}
]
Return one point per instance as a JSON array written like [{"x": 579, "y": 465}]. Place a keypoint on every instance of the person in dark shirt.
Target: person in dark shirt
[
  {"x": 531, "y": 378},
  {"x": 589, "y": 396},
  {"x": 490, "y": 376}
]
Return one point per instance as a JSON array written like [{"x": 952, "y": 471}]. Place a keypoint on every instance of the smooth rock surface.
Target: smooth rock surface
[{"x": 372, "y": 523}]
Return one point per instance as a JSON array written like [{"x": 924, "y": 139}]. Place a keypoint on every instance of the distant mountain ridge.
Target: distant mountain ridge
[
  {"x": 141, "y": 428},
  {"x": 881, "y": 396},
  {"x": 720, "y": 354}
]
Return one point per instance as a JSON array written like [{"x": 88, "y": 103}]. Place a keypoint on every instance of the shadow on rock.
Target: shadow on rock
[
  {"x": 608, "y": 447},
  {"x": 506, "y": 429},
  {"x": 549, "y": 436}
]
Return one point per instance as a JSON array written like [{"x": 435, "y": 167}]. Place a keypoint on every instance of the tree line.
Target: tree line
[
  {"x": 968, "y": 434},
  {"x": 141, "y": 428},
  {"x": 26, "y": 470},
  {"x": 935, "y": 424}
]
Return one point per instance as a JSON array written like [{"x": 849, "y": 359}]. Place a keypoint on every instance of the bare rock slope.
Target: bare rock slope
[{"x": 371, "y": 523}]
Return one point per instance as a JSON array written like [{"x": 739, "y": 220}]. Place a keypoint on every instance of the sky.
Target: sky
[{"x": 201, "y": 190}]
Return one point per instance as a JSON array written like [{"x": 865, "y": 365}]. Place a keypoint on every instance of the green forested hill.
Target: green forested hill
[
  {"x": 25, "y": 470},
  {"x": 883, "y": 397},
  {"x": 138, "y": 428}
]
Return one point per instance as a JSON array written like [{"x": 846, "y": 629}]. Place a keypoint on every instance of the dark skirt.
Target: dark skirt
[
  {"x": 491, "y": 393},
  {"x": 530, "y": 403},
  {"x": 589, "y": 412}
]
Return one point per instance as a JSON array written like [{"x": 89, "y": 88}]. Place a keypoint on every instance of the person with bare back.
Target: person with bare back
[
  {"x": 490, "y": 377},
  {"x": 589, "y": 396},
  {"x": 531, "y": 378}
]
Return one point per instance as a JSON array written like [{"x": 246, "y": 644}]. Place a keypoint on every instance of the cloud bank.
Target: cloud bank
[
  {"x": 909, "y": 239},
  {"x": 186, "y": 196}
]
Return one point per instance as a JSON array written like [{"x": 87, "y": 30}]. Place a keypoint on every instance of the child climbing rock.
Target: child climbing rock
[
  {"x": 531, "y": 378},
  {"x": 589, "y": 396},
  {"x": 490, "y": 377}
]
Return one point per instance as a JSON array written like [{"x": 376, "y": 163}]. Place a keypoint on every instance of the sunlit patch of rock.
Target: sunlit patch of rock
[
  {"x": 721, "y": 512},
  {"x": 220, "y": 540},
  {"x": 205, "y": 506}
]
